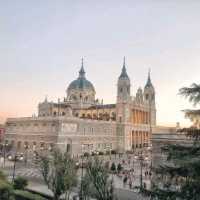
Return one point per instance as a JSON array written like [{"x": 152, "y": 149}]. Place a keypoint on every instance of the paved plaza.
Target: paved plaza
[{"x": 127, "y": 190}]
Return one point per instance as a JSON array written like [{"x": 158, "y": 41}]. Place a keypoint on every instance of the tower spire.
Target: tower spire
[
  {"x": 148, "y": 84},
  {"x": 82, "y": 71},
  {"x": 124, "y": 73},
  {"x": 124, "y": 63}
]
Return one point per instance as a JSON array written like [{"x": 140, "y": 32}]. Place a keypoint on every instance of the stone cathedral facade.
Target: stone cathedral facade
[{"x": 81, "y": 123}]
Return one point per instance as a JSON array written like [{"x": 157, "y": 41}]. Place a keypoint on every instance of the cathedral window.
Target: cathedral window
[
  {"x": 54, "y": 113},
  {"x": 128, "y": 89},
  {"x": 63, "y": 113},
  {"x": 86, "y": 99},
  {"x": 146, "y": 96}
]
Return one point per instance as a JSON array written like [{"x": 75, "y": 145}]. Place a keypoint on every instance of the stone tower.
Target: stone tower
[
  {"x": 149, "y": 98},
  {"x": 123, "y": 96},
  {"x": 123, "y": 106}
]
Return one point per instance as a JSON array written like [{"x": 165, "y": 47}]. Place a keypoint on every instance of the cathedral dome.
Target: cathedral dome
[
  {"x": 81, "y": 83},
  {"x": 81, "y": 91}
]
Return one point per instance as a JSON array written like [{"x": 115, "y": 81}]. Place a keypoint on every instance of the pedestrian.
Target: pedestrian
[
  {"x": 150, "y": 174},
  {"x": 130, "y": 184},
  {"x": 125, "y": 180}
]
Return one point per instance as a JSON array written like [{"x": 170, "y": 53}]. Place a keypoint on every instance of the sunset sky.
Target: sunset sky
[{"x": 42, "y": 43}]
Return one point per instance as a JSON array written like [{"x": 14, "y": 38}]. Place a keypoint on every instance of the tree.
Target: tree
[
  {"x": 179, "y": 179},
  {"x": 119, "y": 168},
  {"x": 97, "y": 178},
  {"x": 113, "y": 167},
  {"x": 20, "y": 183},
  {"x": 59, "y": 173},
  {"x": 192, "y": 92},
  {"x": 6, "y": 190}
]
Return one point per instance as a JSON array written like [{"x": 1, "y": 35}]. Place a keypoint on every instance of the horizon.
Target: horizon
[{"x": 41, "y": 51}]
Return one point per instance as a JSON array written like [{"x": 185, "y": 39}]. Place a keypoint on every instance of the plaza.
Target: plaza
[{"x": 131, "y": 168}]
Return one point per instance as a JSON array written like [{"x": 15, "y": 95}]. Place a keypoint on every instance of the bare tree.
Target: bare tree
[
  {"x": 98, "y": 179},
  {"x": 59, "y": 173}
]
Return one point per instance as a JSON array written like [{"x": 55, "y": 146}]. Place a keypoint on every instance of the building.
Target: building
[
  {"x": 163, "y": 136},
  {"x": 81, "y": 123},
  {"x": 2, "y": 131}
]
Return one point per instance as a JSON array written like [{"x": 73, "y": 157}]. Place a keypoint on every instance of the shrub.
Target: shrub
[
  {"x": 6, "y": 191},
  {"x": 2, "y": 176},
  {"x": 86, "y": 154},
  {"x": 25, "y": 195},
  {"x": 113, "y": 152},
  {"x": 129, "y": 152},
  {"x": 113, "y": 167},
  {"x": 20, "y": 183},
  {"x": 119, "y": 167},
  {"x": 108, "y": 152},
  {"x": 101, "y": 153}
]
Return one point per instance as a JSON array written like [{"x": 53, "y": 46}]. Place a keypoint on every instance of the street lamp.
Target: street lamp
[
  {"x": 81, "y": 196},
  {"x": 16, "y": 158},
  {"x": 26, "y": 153},
  {"x": 141, "y": 158},
  {"x": 4, "y": 153}
]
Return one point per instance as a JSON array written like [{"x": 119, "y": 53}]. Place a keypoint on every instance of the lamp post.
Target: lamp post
[
  {"x": 141, "y": 159},
  {"x": 26, "y": 154},
  {"x": 81, "y": 196},
  {"x": 16, "y": 158},
  {"x": 4, "y": 153}
]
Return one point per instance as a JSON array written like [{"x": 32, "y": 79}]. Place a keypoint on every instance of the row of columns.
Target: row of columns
[
  {"x": 99, "y": 116},
  {"x": 140, "y": 117},
  {"x": 139, "y": 138}
]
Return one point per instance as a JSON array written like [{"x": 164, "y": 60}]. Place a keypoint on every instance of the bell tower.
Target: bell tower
[
  {"x": 149, "y": 99},
  {"x": 123, "y": 110},
  {"x": 123, "y": 95}
]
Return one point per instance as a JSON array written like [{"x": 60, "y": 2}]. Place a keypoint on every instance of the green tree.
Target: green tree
[
  {"x": 119, "y": 168},
  {"x": 59, "y": 173},
  {"x": 192, "y": 92},
  {"x": 6, "y": 190},
  {"x": 179, "y": 178},
  {"x": 20, "y": 183},
  {"x": 97, "y": 180},
  {"x": 113, "y": 167}
]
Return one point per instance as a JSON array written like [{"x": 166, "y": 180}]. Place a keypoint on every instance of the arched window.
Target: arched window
[
  {"x": 113, "y": 116},
  {"x": 54, "y": 113},
  {"x": 73, "y": 98},
  {"x": 100, "y": 116},
  {"x": 68, "y": 147},
  {"x": 94, "y": 116},
  {"x": 86, "y": 99}
]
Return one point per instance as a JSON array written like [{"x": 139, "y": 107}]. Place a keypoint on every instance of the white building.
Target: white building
[{"x": 81, "y": 123}]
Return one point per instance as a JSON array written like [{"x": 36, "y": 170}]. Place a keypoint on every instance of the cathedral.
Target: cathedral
[{"x": 81, "y": 123}]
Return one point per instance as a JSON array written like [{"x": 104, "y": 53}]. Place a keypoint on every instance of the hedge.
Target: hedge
[
  {"x": 6, "y": 191},
  {"x": 25, "y": 195}
]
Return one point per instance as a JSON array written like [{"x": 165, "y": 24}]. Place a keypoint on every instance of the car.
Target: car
[{"x": 18, "y": 157}]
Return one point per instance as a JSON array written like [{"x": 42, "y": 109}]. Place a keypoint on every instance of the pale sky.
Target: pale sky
[{"x": 42, "y": 42}]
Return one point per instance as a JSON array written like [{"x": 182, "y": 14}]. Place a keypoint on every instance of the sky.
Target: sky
[{"x": 42, "y": 43}]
